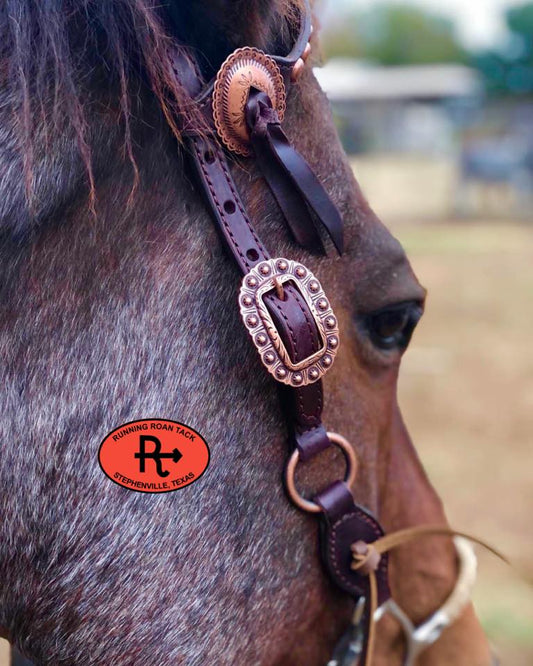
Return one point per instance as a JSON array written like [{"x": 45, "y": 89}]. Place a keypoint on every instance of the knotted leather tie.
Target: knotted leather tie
[
  {"x": 366, "y": 558},
  {"x": 300, "y": 195}
]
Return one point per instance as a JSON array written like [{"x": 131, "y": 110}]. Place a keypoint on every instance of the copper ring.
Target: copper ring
[{"x": 349, "y": 478}]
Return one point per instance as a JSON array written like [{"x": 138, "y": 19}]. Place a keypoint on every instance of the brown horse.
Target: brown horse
[{"x": 118, "y": 303}]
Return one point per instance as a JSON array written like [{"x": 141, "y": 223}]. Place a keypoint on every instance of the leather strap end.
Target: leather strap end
[
  {"x": 299, "y": 193},
  {"x": 312, "y": 442}
]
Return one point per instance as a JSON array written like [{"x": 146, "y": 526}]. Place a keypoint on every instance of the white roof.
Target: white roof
[{"x": 347, "y": 80}]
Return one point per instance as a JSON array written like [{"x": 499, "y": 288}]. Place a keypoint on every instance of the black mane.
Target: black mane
[{"x": 63, "y": 61}]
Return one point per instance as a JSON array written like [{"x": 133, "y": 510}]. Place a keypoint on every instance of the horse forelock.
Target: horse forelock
[{"x": 67, "y": 67}]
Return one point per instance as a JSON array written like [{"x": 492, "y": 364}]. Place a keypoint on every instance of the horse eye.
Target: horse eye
[{"x": 393, "y": 326}]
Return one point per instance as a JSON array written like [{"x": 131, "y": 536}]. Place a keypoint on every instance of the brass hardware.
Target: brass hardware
[
  {"x": 349, "y": 479},
  {"x": 272, "y": 275},
  {"x": 297, "y": 70},
  {"x": 280, "y": 292}
]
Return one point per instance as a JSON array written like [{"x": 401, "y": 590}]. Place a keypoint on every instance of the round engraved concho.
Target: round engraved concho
[
  {"x": 266, "y": 277},
  {"x": 243, "y": 69}
]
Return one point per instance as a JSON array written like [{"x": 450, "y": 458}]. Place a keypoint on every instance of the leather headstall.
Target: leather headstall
[{"x": 282, "y": 304}]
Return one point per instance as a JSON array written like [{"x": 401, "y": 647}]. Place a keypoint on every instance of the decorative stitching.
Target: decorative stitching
[
  {"x": 313, "y": 418},
  {"x": 293, "y": 338},
  {"x": 304, "y": 417},
  {"x": 199, "y": 153},
  {"x": 333, "y": 542},
  {"x": 237, "y": 198}
]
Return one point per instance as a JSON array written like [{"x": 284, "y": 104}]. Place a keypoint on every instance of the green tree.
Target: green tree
[
  {"x": 509, "y": 70},
  {"x": 394, "y": 35}
]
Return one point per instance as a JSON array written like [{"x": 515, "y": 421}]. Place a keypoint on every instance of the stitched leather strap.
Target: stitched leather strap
[
  {"x": 224, "y": 202},
  {"x": 303, "y": 405},
  {"x": 343, "y": 523},
  {"x": 343, "y": 520}
]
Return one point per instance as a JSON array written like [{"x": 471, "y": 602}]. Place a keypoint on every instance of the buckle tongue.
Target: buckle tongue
[{"x": 270, "y": 276}]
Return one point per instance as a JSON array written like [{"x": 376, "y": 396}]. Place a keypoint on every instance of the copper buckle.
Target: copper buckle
[{"x": 268, "y": 276}]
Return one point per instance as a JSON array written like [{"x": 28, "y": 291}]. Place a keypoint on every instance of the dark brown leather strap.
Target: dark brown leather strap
[
  {"x": 296, "y": 188},
  {"x": 343, "y": 520},
  {"x": 303, "y": 405},
  {"x": 288, "y": 62},
  {"x": 224, "y": 201}
]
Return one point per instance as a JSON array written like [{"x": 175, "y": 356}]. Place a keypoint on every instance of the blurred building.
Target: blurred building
[
  {"x": 433, "y": 124},
  {"x": 397, "y": 109}
]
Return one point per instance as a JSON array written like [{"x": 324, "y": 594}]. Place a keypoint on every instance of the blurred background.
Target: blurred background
[{"x": 434, "y": 105}]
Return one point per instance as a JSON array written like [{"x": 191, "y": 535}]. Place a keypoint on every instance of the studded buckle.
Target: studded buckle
[{"x": 266, "y": 277}]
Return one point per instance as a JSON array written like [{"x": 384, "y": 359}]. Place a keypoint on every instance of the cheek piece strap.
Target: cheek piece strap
[{"x": 283, "y": 306}]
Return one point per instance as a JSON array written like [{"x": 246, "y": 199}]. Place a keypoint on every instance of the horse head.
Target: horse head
[{"x": 119, "y": 302}]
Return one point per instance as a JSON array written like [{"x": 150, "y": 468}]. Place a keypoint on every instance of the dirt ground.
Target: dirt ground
[{"x": 467, "y": 396}]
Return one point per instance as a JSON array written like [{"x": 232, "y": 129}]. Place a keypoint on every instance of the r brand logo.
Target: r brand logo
[
  {"x": 156, "y": 455},
  {"x": 136, "y": 458}
]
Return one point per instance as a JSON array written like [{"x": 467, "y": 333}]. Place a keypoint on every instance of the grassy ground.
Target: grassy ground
[{"x": 467, "y": 395}]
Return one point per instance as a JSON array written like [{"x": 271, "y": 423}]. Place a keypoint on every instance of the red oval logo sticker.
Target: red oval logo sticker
[{"x": 154, "y": 455}]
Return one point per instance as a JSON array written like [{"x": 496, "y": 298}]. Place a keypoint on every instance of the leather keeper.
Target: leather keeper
[{"x": 345, "y": 522}]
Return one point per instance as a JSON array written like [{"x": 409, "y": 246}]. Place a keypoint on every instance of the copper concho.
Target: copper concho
[
  {"x": 261, "y": 280},
  {"x": 243, "y": 69}
]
